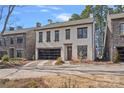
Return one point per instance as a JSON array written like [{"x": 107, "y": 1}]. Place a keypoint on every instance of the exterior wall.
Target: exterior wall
[
  {"x": 89, "y": 41},
  {"x": 16, "y": 46},
  {"x": 116, "y": 39},
  {"x": 28, "y": 45},
  {"x": 108, "y": 45}
]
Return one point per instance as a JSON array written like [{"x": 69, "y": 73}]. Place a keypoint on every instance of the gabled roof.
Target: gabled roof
[{"x": 67, "y": 23}]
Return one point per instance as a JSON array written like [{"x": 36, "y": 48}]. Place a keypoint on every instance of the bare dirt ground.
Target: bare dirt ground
[
  {"x": 67, "y": 81},
  {"x": 82, "y": 75}
]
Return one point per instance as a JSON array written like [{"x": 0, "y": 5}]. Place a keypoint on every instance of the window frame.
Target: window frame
[
  {"x": 120, "y": 29},
  {"x": 11, "y": 40},
  {"x": 48, "y": 36},
  {"x": 0, "y": 42},
  {"x": 56, "y": 35},
  {"x": 82, "y": 32},
  {"x": 18, "y": 42},
  {"x": 81, "y": 50},
  {"x": 40, "y": 37},
  {"x": 21, "y": 52},
  {"x": 67, "y": 34}
]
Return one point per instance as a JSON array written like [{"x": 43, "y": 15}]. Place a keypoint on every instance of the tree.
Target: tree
[
  {"x": 9, "y": 10},
  {"x": 75, "y": 17},
  {"x": 100, "y": 15},
  {"x": 87, "y": 11},
  {"x": 118, "y": 9},
  {"x": 1, "y": 12}
]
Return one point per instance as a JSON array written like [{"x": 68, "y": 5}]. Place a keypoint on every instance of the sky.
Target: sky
[{"x": 27, "y": 16}]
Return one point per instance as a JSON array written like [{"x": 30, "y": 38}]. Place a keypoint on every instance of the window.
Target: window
[
  {"x": 19, "y": 53},
  {"x": 40, "y": 36},
  {"x": 0, "y": 42},
  {"x": 67, "y": 31},
  {"x": 48, "y": 36},
  {"x": 122, "y": 28},
  {"x": 11, "y": 40},
  {"x": 82, "y": 50},
  {"x": 4, "y": 40},
  {"x": 57, "y": 35},
  {"x": 82, "y": 32},
  {"x": 19, "y": 39}
]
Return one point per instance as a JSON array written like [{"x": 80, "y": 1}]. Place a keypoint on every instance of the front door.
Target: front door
[
  {"x": 69, "y": 52},
  {"x": 11, "y": 52}
]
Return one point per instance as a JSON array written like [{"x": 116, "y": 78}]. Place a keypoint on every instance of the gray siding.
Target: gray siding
[
  {"x": 116, "y": 39},
  {"x": 28, "y": 44}
]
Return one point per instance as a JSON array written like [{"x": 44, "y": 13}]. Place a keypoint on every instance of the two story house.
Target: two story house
[
  {"x": 18, "y": 43},
  {"x": 66, "y": 40},
  {"x": 115, "y": 35}
]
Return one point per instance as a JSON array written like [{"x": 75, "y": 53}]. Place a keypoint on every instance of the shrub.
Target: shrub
[
  {"x": 59, "y": 61},
  {"x": 115, "y": 57},
  {"x": 81, "y": 56},
  {"x": 69, "y": 83},
  {"x": 3, "y": 81},
  {"x": 75, "y": 61},
  {"x": 33, "y": 57},
  {"x": 33, "y": 84},
  {"x": 5, "y": 58}
]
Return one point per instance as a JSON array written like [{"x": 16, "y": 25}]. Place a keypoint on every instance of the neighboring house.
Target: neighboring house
[
  {"x": 115, "y": 35},
  {"x": 66, "y": 40},
  {"x": 18, "y": 43}
]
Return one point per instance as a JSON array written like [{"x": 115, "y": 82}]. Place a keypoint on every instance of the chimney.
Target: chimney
[
  {"x": 19, "y": 27},
  {"x": 38, "y": 24},
  {"x": 49, "y": 21},
  {"x": 91, "y": 15},
  {"x": 11, "y": 28}
]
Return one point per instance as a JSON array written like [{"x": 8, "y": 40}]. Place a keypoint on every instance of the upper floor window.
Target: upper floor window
[
  {"x": 67, "y": 33},
  {"x": 82, "y": 32},
  {"x": 40, "y": 36},
  {"x": 4, "y": 41},
  {"x": 11, "y": 41},
  {"x": 57, "y": 35},
  {"x": 48, "y": 36},
  {"x": 82, "y": 51},
  {"x": 19, "y": 39},
  {"x": 122, "y": 28},
  {"x": 0, "y": 42}
]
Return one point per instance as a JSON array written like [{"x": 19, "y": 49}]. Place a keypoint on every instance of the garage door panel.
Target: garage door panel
[{"x": 49, "y": 53}]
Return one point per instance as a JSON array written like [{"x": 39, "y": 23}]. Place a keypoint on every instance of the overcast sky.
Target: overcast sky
[{"x": 27, "y": 16}]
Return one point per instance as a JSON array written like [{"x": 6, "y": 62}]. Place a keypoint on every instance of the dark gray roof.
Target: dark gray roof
[
  {"x": 52, "y": 25},
  {"x": 116, "y": 16},
  {"x": 25, "y": 30},
  {"x": 68, "y": 23}
]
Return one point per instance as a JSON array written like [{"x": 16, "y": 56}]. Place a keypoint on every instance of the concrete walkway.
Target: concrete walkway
[{"x": 36, "y": 70}]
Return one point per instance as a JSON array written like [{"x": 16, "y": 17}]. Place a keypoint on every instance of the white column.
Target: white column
[
  {"x": 36, "y": 54},
  {"x": 62, "y": 53}
]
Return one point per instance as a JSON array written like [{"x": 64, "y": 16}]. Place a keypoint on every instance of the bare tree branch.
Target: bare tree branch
[
  {"x": 1, "y": 12},
  {"x": 10, "y": 10}
]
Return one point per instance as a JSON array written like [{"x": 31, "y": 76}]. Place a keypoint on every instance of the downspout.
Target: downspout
[{"x": 93, "y": 41}]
